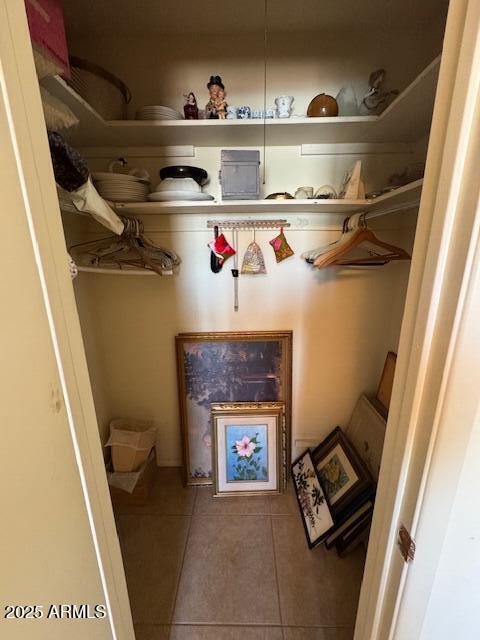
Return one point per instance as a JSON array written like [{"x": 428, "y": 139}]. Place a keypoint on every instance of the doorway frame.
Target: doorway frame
[
  {"x": 439, "y": 282},
  {"x": 19, "y": 86},
  {"x": 424, "y": 344}
]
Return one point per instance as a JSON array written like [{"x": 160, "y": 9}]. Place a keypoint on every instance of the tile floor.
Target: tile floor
[{"x": 204, "y": 568}]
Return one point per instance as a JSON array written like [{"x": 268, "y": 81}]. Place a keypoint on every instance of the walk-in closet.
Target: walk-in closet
[{"x": 241, "y": 243}]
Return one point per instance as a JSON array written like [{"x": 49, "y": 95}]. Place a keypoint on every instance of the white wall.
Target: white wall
[
  {"x": 160, "y": 69},
  {"x": 343, "y": 322}
]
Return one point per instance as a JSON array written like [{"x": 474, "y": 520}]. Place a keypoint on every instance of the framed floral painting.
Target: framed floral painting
[
  {"x": 249, "y": 456},
  {"x": 230, "y": 367},
  {"x": 343, "y": 474},
  {"x": 314, "y": 509}
]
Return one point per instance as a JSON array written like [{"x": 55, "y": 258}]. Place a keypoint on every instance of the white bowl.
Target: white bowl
[{"x": 179, "y": 184}]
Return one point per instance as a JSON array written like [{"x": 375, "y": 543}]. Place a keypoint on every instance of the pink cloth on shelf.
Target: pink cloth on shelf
[{"x": 47, "y": 29}]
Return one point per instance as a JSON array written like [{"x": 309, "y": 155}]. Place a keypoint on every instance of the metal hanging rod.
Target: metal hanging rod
[
  {"x": 246, "y": 225},
  {"x": 411, "y": 204}
]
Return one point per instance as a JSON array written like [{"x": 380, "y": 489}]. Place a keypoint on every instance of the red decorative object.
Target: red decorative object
[
  {"x": 221, "y": 248},
  {"x": 47, "y": 29}
]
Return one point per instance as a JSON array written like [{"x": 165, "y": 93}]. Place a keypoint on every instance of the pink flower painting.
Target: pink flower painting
[
  {"x": 247, "y": 453},
  {"x": 245, "y": 447}
]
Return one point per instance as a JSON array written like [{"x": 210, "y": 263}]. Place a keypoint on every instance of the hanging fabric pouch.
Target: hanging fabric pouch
[
  {"x": 215, "y": 265},
  {"x": 281, "y": 247},
  {"x": 253, "y": 262},
  {"x": 222, "y": 250}
]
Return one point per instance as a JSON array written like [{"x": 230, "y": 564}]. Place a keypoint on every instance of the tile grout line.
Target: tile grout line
[
  {"x": 276, "y": 572},
  {"x": 177, "y": 588},
  {"x": 251, "y": 625}
]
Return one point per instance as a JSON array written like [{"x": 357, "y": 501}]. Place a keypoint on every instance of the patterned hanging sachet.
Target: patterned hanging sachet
[
  {"x": 281, "y": 247},
  {"x": 253, "y": 262}
]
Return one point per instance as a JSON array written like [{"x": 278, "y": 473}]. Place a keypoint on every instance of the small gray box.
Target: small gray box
[{"x": 240, "y": 175}]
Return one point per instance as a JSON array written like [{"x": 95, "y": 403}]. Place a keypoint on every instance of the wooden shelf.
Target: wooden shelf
[
  {"x": 401, "y": 198},
  {"x": 407, "y": 119}
]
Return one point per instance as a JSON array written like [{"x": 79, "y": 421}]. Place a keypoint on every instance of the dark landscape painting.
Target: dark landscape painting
[{"x": 233, "y": 370}]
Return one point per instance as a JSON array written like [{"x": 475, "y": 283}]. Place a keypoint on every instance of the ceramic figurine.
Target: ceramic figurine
[
  {"x": 231, "y": 112},
  {"x": 284, "y": 106},
  {"x": 190, "y": 108},
  {"x": 221, "y": 105},
  {"x": 215, "y": 86},
  {"x": 244, "y": 113}
]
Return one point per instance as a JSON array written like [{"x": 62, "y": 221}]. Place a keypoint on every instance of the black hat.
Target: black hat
[{"x": 215, "y": 80}]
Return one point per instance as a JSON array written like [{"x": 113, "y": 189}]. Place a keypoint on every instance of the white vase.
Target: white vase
[{"x": 284, "y": 106}]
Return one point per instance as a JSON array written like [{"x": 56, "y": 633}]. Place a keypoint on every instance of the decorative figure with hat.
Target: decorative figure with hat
[
  {"x": 216, "y": 107},
  {"x": 190, "y": 108}
]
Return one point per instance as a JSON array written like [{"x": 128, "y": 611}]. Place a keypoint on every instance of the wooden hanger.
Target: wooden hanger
[{"x": 352, "y": 238}]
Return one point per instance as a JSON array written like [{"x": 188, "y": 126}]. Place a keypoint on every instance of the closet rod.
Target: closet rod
[
  {"x": 117, "y": 272},
  {"x": 411, "y": 204},
  {"x": 247, "y": 225}
]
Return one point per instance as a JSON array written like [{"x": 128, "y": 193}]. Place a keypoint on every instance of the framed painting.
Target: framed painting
[
  {"x": 314, "y": 509},
  {"x": 231, "y": 367},
  {"x": 248, "y": 448},
  {"x": 343, "y": 474}
]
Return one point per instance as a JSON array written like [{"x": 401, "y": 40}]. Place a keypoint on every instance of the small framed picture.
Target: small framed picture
[
  {"x": 342, "y": 473},
  {"x": 314, "y": 509},
  {"x": 249, "y": 448}
]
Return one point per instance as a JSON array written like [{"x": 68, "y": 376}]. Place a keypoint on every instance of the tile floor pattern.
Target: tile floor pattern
[{"x": 204, "y": 568}]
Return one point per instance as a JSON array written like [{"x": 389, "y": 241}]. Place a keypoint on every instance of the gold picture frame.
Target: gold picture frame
[
  {"x": 249, "y": 448},
  {"x": 217, "y": 367}
]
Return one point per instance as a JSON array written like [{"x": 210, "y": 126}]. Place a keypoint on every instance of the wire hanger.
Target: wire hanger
[{"x": 131, "y": 250}]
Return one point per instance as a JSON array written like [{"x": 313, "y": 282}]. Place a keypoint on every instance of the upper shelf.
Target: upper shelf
[{"x": 407, "y": 119}]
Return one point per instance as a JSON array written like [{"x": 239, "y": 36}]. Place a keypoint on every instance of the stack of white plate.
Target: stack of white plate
[
  {"x": 120, "y": 187},
  {"x": 157, "y": 112},
  {"x": 178, "y": 189}
]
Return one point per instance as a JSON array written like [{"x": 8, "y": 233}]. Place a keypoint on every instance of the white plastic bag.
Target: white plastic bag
[{"x": 87, "y": 199}]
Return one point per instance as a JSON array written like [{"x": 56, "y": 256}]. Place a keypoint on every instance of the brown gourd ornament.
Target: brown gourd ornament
[{"x": 323, "y": 106}]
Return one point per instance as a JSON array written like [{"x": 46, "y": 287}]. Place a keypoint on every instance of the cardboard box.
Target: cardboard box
[
  {"x": 131, "y": 442},
  {"x": 142, "y": 488}
]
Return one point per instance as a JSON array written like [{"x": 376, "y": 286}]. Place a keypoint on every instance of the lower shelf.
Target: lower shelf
[{"x": 403, "y": 197}]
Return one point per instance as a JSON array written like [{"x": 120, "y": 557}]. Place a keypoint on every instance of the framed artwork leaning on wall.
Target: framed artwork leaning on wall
[
  {"x": 248, "y": 448},
  {"x": 314, "y": 508},
  {"x": 227, "y": 367},
  {"x": 343, "y": 474}
]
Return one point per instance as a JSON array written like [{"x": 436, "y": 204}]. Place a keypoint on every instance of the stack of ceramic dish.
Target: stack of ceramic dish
[
  {"x": 180, "y": 183},
  {"x": 178, "y": 189},
  {"x": 175, "y": 189},
  {"x": 121, "y": 187},
  {"x": 155, "y": 112}
]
